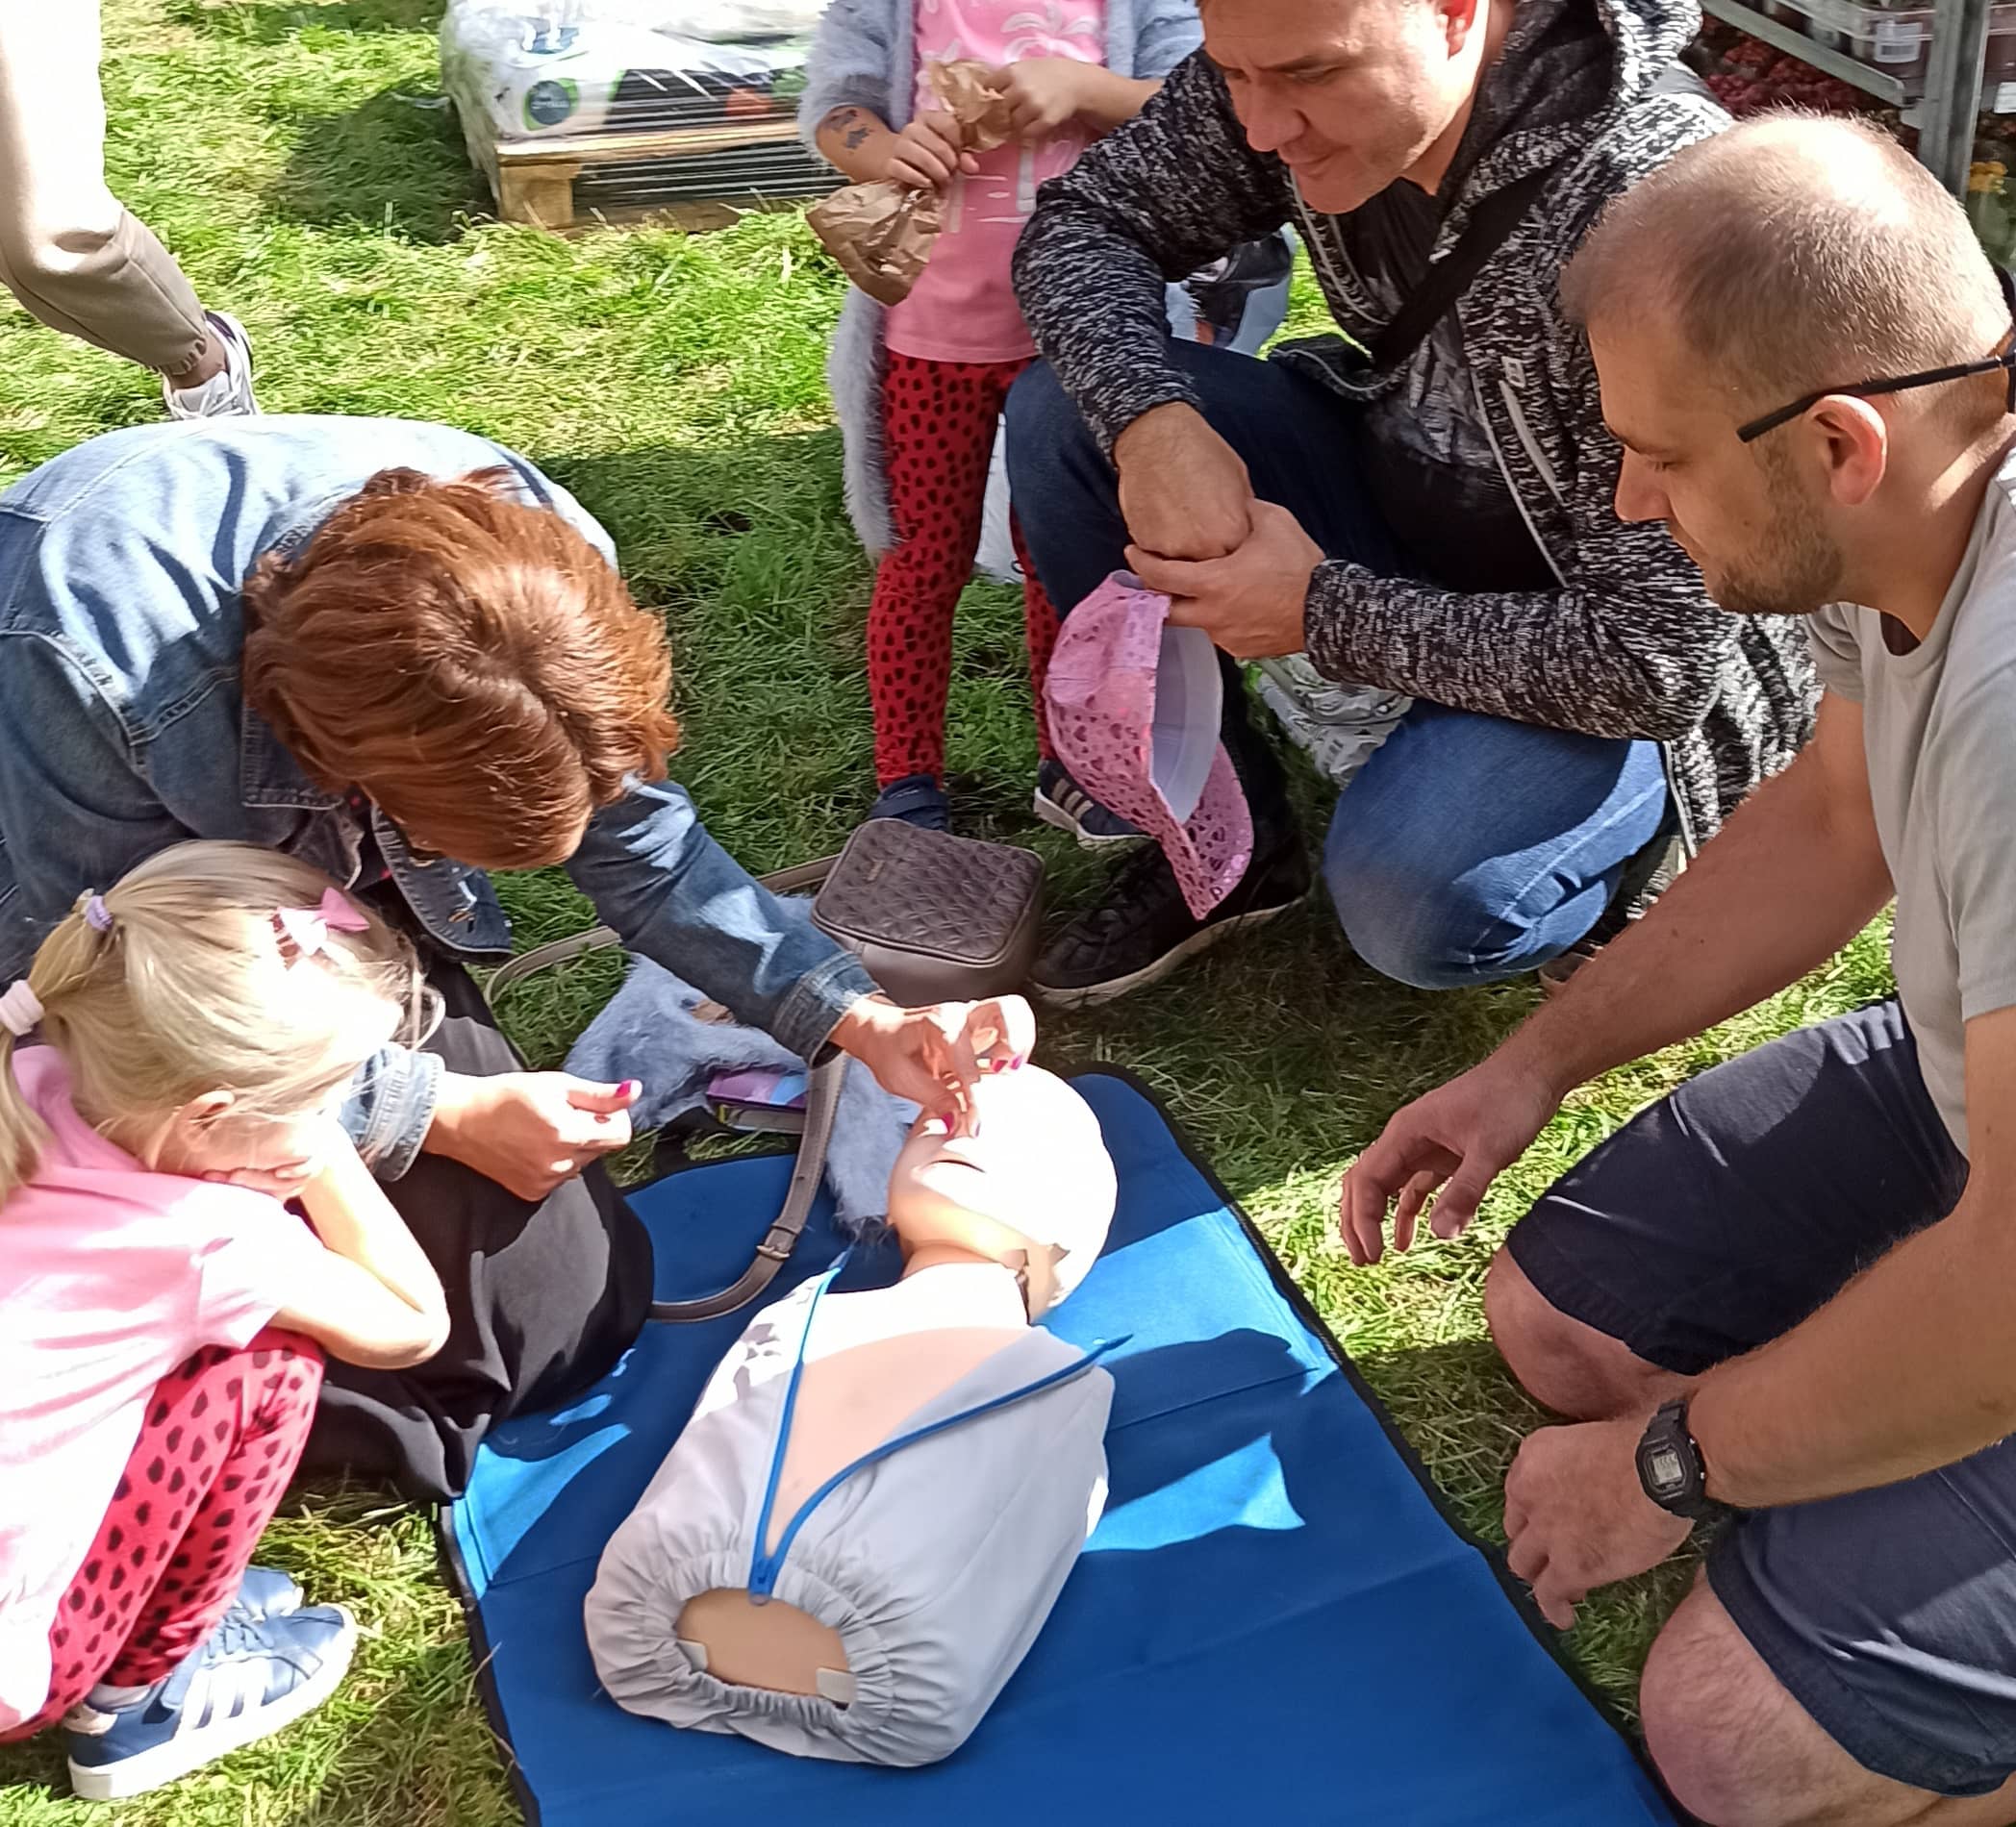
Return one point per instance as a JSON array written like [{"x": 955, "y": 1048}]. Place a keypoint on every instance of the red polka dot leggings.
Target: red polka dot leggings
[
  {"x": 216, "y": 1449},
  {"x": 938, "y": 421}
]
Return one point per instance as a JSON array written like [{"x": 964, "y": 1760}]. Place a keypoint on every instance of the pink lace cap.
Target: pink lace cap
[{"x": 1134, "y": 710}]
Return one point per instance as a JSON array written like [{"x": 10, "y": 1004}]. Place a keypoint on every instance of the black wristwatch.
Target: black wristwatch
[{"x": 1671, "y": 1470}]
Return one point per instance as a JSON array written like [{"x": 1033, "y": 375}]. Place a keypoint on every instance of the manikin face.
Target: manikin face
[
  {"x": 1035, "y": 1179},
  {"x": 1349, "y": 93},
  {"x": 1748, "y": 515}
]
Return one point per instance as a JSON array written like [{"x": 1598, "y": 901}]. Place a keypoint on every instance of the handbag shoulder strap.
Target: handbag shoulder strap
[
  {"x": 822, "y": 1101},
  {"x": 1490, "y": 226}
]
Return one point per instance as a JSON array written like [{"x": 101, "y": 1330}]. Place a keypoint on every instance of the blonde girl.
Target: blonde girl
[{"x": 171, "y": 1070}]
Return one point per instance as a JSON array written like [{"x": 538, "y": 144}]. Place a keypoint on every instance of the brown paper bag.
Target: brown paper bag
[
  {"x": 966, "y": 91},
  {"x": 881, "y": 233}
]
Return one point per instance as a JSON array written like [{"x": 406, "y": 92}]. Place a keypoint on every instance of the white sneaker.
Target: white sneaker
[
  {"x": 1339, "y": 726},
  {"x": 228, "y": 392}
]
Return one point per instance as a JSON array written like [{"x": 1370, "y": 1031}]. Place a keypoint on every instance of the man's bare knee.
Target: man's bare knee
[
  {"x": 1735, "y": 1749},
  {"x": 1561, "y": 1363}
]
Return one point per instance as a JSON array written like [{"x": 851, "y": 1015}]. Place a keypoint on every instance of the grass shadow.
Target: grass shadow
[
  {"x": 33, "y": 1777},
  {"x": 275, "y": 21},
  {"x": 391, "y": 164},
  {"x": 1465, "y": 1419}
]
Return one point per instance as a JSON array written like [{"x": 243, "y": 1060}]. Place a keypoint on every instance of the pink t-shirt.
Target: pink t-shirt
[
  {"x": 963, "y": 306},
  {"x": 111, "y": 1276}
]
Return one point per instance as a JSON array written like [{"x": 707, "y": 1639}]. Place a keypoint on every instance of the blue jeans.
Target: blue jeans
[{"x": 1471, "y": 847}]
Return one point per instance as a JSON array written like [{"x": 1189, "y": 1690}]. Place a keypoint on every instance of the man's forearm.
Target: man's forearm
[
  {"x": 1913, "y": 1364},
  {"x": 1910, "y": 1367},
  {"x": 1780, "y": 888}
]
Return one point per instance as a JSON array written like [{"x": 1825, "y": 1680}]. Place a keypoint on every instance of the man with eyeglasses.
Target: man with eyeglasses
[{"x": 1780, "y": 1299}]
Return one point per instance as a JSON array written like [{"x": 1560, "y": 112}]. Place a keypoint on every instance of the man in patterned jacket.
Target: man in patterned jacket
[{"x": 1435, "y": 524}]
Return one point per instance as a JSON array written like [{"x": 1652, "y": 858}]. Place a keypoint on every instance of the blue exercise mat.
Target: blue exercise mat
[{"x": 1273, "y": 1617}]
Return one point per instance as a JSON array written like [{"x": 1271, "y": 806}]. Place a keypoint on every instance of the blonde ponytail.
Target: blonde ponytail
[
  {"x": 182, "y": 979},
  {"x": 22, "y": 1133}
]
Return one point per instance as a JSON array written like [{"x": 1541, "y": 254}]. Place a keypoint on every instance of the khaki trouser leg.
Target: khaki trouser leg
[{"x": 69, "y": 251}]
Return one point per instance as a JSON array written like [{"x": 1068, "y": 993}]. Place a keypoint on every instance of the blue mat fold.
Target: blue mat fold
[{"x": 1273, "y": 1614}]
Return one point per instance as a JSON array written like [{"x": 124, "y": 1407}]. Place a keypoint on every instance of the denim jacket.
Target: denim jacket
[{"x": 123, "y": 729}]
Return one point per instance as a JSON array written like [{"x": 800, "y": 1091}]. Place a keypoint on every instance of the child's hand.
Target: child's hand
[
  {"x": 308, "y": 1151},
  {"x": 926, "y": 155},
  {"x": 1045, "y": 93}
]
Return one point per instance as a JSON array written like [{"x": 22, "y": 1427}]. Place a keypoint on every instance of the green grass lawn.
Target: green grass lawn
[{"x": 297, "y": 157}]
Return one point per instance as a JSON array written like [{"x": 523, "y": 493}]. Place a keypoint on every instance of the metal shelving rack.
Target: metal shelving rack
[{"x": 1953, "y": 85}]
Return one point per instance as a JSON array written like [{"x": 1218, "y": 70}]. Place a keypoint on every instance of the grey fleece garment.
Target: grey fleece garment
[
  {"x": 1628, "y": 645},
  {"x": 651, "y": 1028},
  {"x": 865, "y": 56}
]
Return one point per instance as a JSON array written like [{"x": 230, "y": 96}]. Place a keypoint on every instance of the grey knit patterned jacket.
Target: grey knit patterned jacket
[
  {"x": 1629, "y": 645},
  {"x": 864, "y": 56}
]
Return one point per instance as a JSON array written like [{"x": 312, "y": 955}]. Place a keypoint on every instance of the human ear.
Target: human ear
[
  {"x": 1851, "y": 439},
  {"x": 1459, "y": 20},
  {"x": 205, "y": 1109}
]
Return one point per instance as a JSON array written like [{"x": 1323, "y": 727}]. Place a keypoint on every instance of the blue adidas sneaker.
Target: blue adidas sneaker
[
  {"x": 250, "y": 1677},
  {"x": 267, "y": 1593},
  {"x": 263, "y": 1592}
]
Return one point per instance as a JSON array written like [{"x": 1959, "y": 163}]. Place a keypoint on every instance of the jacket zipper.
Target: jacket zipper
[
  {"x": 1498, "y": 456},
  {"x": 765, "y": 1566},
  {"x": 1527, "y": 442}
]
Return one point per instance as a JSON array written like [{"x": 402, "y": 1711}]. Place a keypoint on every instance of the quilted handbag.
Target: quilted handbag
[{"x": 934, "y": 917}]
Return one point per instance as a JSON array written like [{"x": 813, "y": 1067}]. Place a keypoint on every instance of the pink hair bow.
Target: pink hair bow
[{"x": 309, "y": 927}]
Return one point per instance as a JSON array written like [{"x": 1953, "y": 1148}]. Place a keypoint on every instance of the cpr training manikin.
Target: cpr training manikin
[{"x": 880, "y": 1494}]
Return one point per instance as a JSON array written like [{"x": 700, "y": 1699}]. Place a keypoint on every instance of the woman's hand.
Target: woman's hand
[
  {"x": 935, "y": 1056},
  {"x": 529, "y": 1130}
]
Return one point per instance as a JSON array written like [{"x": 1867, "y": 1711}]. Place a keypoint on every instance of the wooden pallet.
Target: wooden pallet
[{"x": 533, "y": 180}]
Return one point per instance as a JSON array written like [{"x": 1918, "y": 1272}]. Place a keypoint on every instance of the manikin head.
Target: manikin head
[
  {"x": 1032, "y": 1188},
  {"x": 1785, "y": 257},
  {"x": 1350, "y": 94}
]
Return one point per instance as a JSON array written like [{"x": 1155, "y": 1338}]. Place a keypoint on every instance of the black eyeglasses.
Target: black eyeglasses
[{"x": 1866, "y": 390}]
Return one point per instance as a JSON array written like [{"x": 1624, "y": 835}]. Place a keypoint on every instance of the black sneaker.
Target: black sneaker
[
  {"x": 1645, "y": 877},
  {"x": 916, "y": 799},
  {"x": 1142, "y": 931},
  {"x": 1062, "y": 802}
]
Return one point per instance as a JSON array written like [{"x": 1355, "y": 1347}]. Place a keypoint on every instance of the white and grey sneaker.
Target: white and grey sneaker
[
  {"x": 228, "y": 392},
  {"x": 1337, "y": 725}
]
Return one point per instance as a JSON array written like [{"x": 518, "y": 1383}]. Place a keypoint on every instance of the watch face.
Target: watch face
[{"x": 1663, "y": 1469}]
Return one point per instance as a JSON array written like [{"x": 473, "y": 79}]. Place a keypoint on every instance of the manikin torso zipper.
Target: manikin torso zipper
[{"x": 765, "y": 1562}]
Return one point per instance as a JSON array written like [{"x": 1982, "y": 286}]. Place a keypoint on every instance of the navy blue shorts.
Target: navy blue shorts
[{"x": 1716, "y": 1221}]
